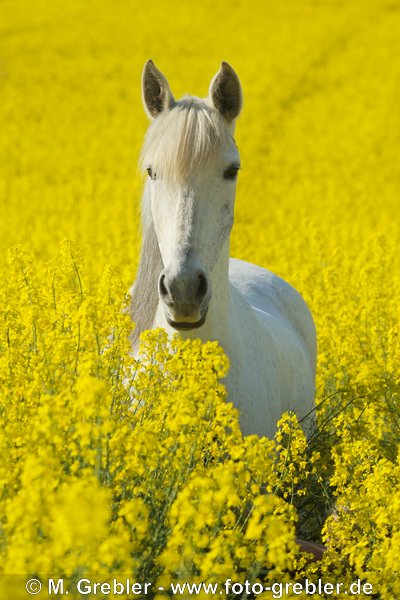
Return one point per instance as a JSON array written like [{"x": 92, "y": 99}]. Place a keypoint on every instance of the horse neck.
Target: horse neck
[{"x": 217, "y": 322}]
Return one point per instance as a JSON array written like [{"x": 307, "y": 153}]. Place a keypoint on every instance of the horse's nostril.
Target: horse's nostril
[
  {"x": 163, "y": 287},
  {"x": 202, "y": 287}
]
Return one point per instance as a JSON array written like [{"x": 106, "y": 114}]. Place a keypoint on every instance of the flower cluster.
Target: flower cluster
[{"x": 112, "y": 465}]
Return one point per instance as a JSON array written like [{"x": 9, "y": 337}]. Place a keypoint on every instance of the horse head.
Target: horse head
[{"x": 192, "y": 163}]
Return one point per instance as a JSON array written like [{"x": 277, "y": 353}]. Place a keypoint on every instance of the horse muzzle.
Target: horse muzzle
[{"x": 185, "y": 296}]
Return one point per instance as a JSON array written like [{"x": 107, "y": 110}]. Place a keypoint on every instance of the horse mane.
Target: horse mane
[
  {"x": 183, "y": 139},
  {"x": 178, "y": 142},
  {"x": 144, "y": 292}
]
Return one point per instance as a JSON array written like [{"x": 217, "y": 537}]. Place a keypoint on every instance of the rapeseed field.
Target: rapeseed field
[{"x": 166, "y": 489}]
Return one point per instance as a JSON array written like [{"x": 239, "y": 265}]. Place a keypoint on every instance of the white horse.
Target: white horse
[{"x": 186, "y": 281}]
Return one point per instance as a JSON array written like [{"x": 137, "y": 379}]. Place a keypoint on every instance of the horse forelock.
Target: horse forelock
[{"x": 184, "y": 139}]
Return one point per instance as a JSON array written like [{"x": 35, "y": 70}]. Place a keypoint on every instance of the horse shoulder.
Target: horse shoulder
[{"x": 266, "y": 292}]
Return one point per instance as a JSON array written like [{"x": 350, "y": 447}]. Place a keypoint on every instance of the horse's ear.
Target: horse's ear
[
  {"x": 226, "y": 92},
  {"x": 157, "y": 95}
]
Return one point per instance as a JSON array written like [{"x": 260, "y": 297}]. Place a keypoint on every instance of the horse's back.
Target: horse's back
[{"x": 271, "y": 296}]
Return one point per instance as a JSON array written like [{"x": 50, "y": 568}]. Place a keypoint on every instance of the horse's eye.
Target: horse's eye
[
  {"x": 231, "y": 172},
  {"x": 150, "y": 173}
]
